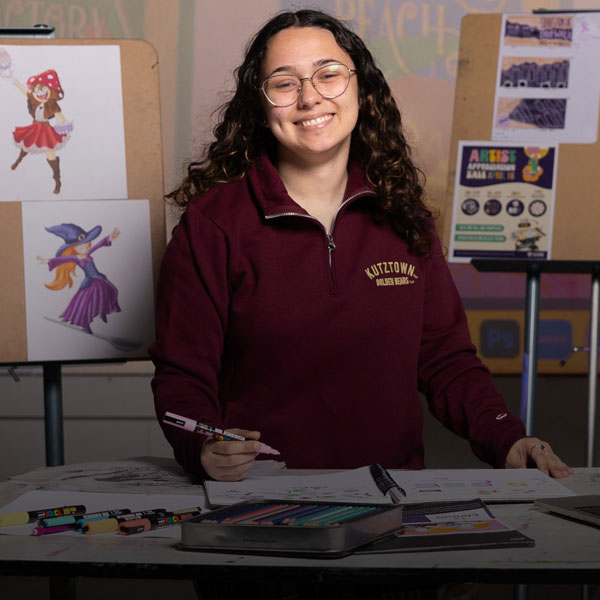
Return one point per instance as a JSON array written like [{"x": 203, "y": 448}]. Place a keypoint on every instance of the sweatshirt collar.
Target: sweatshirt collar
[{"x": 272, "y": 197}]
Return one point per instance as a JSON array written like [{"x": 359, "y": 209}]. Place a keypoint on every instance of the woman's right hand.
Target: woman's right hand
[{"x": 230, "y": 461}]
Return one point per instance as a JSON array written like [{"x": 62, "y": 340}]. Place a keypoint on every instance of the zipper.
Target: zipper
[{"x": 328, "y": 234}]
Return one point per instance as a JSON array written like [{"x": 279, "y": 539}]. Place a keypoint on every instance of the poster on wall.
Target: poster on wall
[
  {"x": 61, "y": 125},
  {"x": 88, "y": 279},
  {"x": 503, "y": 201},
  {"x": 548, "y": 81}
]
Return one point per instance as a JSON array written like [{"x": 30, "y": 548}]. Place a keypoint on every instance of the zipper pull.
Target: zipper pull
[{"x": 330, "y": 243}]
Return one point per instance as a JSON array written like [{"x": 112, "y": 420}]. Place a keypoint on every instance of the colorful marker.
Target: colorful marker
[
  {"x": 110, "y": 524},
  {"x": 24, "y": 517},
  {"x": 218, "y": 434},
  {"x": 141, "y": 525},
  {"x": 45, "y": 530},
  {"x": 75, "y": 520}
]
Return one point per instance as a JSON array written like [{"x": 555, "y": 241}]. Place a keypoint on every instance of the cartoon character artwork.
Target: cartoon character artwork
[
  {"x": 532, "y": 171},
  {"x": 527, "y": 235},
  {"x": 96, "y": 296},
  {"x": 49, "y": 130}
]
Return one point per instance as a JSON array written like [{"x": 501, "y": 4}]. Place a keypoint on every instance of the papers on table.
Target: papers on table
[{"x": 357, "y": 485}]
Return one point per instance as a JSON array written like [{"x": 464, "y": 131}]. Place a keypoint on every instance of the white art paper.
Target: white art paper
[
  {"x": 76, "y": 152},
  {"x": 115, "y": 318},
  {"x": 548, "y": 81}
]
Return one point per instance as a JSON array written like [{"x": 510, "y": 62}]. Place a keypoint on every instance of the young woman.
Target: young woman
[
  {"x": 96, "y": 295},
  {"x": 304, "y": 297}
]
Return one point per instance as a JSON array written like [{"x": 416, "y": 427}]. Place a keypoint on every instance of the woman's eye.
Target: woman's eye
[
  {"x": 285, "y": 84},
  {"x": 328, "y": 76}
]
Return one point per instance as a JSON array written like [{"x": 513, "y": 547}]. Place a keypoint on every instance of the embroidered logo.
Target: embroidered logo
[{"x": 392, "y": 272}]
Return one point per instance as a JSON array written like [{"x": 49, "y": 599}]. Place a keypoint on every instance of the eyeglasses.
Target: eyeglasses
[{"x": 329, "y": 81}]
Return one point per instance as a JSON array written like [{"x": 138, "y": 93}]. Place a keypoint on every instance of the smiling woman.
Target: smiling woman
[{"x": 304, "y": 298}]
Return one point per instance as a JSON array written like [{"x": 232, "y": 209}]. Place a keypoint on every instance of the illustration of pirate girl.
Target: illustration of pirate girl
[
  {"x": 49, "y": 130},
  {"x": 96, "y": 295}
]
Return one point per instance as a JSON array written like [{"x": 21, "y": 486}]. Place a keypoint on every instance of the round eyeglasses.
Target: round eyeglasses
[{"x": 329, "y": 81}]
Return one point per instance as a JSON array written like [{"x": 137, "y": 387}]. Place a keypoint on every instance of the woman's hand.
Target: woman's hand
[
  {"x": 42, "y": 260},
  {"x": 230, "y": 461},
  {"x": 531, "y": 451},
  {"x": 115, "y": 234}
]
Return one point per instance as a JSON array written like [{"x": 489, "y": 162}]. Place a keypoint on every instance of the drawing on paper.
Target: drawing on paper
[
  {"x": 49, "y": 130},
  {"x": 97, "y": 296}
]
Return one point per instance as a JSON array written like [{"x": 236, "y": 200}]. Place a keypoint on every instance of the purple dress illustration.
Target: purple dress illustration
[{"x": 96, "y": 295}]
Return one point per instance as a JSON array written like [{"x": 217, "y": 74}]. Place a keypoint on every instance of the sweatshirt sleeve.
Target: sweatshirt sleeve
[
  {"x": 191, "y": 319},
  {"x": 458, "y": 387}
]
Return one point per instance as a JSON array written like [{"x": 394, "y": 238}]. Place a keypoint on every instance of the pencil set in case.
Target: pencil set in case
[{"x": 287, "y": 527}]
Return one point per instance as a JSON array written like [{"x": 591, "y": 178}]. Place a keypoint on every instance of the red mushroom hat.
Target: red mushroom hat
[{"x": 48, "y": 78}]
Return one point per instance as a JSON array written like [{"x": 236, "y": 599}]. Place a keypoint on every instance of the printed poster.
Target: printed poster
[
  {"x": 88, "y": 279},
  {"x": 62, "y": 133},
  {"x": 503, "y": 201},
  {"x": 548, "y": 80}
]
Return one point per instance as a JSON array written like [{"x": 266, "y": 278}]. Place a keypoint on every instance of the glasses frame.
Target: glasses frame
[{"x": 301, "y": 81}]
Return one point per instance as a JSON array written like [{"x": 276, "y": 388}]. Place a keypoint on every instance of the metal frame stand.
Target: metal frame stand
[
  {"x": 528, "y": 383},
  {"x": 53, "y": 415},
  {"x": 529, "y": 375}
]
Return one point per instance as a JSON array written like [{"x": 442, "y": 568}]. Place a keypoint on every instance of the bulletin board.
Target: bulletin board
[
  {"x": 577, "y": 205},
  {"x": 576, "y": 208},
  {"x": 144, "y": 179}
]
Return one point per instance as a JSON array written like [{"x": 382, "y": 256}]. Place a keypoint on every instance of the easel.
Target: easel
[
  {"x": 574, "y": 246},
  {"x": 533, "y": 271},
  {"x": 144, "y": 181}
]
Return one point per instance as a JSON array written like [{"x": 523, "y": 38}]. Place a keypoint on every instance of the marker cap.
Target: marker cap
[
  {"x": 137, "y": 526},
  {"x": 56, "y": 521},
  {"x": 181, "y": 422},
  {"x": 16, "y": 518},
  {"x": 100, "y": 526}
]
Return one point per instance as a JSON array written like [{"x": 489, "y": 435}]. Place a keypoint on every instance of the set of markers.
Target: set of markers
[
  {"x": 290, "y": 514},
  {"x": 75, "y": 518}
]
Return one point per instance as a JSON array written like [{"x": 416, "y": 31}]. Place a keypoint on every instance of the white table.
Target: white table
[{"x": 565, "y": 552}]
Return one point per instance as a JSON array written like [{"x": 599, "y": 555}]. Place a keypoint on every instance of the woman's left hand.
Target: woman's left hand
[{"x": 531, "y": 451}]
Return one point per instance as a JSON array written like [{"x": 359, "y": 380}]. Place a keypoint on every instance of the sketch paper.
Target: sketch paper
[
  {"x": 357, "y": 485},
  {"x": 73, "y": 144},
  {"x": 503, "y": 201},
  {"x": 548, "y": 81},
  {"x": 149, "y": 474},
  {"x": 95, "y": 502},
  {"x": 108, "y": 310}
]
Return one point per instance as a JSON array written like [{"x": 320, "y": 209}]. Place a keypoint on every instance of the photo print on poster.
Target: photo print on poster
[
  {"x": 548, "y": 82},
  {"x": 88, "y": 279},
  {"x": 61, "y": 125},
  {"x": 503, "y": 201}
]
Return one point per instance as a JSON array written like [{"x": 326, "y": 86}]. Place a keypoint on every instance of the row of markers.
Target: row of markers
[
  {"x": 75, "y": 518},
  {"x": 299, "y": 515}
]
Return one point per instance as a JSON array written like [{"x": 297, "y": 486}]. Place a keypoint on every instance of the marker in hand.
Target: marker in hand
[{"x": 218, "y": 434}]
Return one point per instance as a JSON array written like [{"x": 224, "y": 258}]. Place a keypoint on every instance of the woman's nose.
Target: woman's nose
[{"x": 308, "y": 95}]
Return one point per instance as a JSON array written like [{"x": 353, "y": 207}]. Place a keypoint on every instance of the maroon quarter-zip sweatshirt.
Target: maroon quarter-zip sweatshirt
[{"x": 320, "y": 341}]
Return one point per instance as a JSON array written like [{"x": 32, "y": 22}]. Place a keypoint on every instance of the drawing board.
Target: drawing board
[
  {"x": 108, "y": 143},
  {"x": 577, "y": 210}
]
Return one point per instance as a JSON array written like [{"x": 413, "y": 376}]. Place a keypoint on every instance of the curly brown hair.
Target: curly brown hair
[{"x": 378, "y": 140}]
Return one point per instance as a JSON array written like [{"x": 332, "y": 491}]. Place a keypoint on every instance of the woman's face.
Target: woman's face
[
  {"x": 312, "y": 127},
  {"x": 41, "y": 93},
  {"x": 83, "y": 248}
]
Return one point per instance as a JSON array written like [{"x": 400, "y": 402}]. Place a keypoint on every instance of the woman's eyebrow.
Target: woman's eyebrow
[{"x": 290, "y": 68}]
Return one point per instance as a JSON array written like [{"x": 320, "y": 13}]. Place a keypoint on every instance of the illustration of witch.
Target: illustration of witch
[
  {"x": 96, "y": 295},
  {"x": 49, "y": 130}
]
